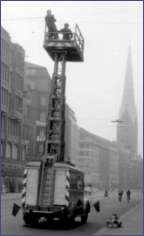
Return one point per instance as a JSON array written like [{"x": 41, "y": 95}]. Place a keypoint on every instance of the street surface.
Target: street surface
[
  {"x": 132, "y": 223},
  {"x": 15, "y": 226}
]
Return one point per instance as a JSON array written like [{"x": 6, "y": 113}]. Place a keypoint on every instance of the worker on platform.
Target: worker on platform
[
  {"x": 67, "y": 33},
  {"x": 50, "y": 22}
]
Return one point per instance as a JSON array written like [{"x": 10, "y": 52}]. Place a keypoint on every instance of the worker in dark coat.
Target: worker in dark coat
[
  {"x": 128, "y": 193},
  {"x": 106, "y": 193},
  {"x": 120, "y": 195},
  {"x": 67, "y": 33},
  {"x": 50, "y": 22}
]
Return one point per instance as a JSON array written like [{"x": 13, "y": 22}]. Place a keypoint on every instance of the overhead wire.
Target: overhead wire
[
  {"x": 42, "y": 17},
  {"x": 23, "y": 18}
]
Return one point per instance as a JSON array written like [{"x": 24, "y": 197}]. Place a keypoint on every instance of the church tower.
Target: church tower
[{"x": 127, "y": 129}]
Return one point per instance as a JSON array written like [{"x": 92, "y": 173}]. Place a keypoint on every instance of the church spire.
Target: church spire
[
  {"x": 128, "y": 103},
  {"x": 127, "y": 132}
]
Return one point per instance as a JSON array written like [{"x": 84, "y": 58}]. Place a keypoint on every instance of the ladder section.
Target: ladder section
[
  {"x": 47, "y": 191},
  {"x": 55, "y": 131}
]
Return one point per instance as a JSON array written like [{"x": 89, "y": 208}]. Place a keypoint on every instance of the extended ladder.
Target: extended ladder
[{"x": 55, "y": 131}]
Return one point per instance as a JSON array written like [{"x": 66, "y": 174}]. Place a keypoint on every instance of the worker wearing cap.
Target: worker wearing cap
[
  {"x": 67, "y": 33},
  {"x": 50, "y": 21}
]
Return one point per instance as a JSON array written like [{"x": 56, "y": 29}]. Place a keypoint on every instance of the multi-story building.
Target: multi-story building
[
  {"x": 98, "y": 158},
  {"x": 16, "y": 100},
  {"x": 36, "y": 96},
  {"x": 12, "y": 64},
  {"x": 5, "y": 88}
]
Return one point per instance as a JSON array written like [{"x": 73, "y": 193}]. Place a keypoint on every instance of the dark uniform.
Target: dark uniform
[
  {"x": 120, "y": 194},
  {"x": 67, "y": 33},
  {"x": 128, "y": 193},
  {"x": 52, "y": 29}
]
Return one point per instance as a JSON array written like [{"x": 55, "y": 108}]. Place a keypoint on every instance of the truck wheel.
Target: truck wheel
[
  {"x": 30, "y": 220},
  {"x": 27, "y": 219},
  {"x": 84, "y": 218},
  {"x": 67, "y": 221}
]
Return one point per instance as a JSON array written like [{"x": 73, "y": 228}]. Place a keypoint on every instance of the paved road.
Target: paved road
[
  {"x": 15, "y": 226},
  {"x": 132, "y": 223}
]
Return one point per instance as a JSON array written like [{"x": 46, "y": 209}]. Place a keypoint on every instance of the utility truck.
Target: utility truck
[{"x": 53, "y": 188}]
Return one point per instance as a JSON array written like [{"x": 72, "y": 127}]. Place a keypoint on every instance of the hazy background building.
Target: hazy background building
[{"x": 98, "y": 158}]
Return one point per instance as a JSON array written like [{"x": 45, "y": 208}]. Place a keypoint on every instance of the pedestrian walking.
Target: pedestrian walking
[
  {"x": 128, "y": 193},
  {"x": 106, "y": 193},
  {"x": 97, "y": 206},
  {"x": 120, "y": 195}
]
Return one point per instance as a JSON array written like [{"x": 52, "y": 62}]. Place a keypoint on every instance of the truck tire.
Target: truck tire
[
  {"x": 26, "y": 219},
  {"x": 84, "y": 218},
  {"x": 67, "y": 221},
  {"x": 30, "y": 220}
]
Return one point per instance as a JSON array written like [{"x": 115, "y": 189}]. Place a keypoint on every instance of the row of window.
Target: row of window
[
  {"x": 88, "y": 145},
  {"x": 16, "y": 103},
  {"x": 88, "y": 153},
  {"x": 26, "y": 132},
  {"x": 5, "y": 51},
  {"x": 16, "y": 81},
  {"x": 4, "y": 97},
  {"x": 10, "y": 152},
  {"x": 5, "y": 74},
  {"x": 14, "y": 128},
  {"x": 17, "y": 60}
]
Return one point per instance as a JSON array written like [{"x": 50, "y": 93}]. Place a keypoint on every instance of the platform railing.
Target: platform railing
[{"x": 58, "y": 36}]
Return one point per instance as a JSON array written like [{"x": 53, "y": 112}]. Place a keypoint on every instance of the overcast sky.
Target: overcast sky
[{"x": 94, "y": 87}]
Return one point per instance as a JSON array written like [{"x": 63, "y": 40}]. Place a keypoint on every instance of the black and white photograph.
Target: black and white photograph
[{"x": 71, "y": 118}]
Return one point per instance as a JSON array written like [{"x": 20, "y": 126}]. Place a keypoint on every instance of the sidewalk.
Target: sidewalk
[{"x": 132, "y": 223}]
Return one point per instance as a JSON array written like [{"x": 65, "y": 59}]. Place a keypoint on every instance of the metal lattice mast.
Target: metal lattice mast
[{"x": 55, "y": 128}]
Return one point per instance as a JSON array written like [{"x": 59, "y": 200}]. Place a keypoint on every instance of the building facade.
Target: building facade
[
  {"x": 12, "y": 76},
  {"x": 36, "y": 97},
  {"x": 98, "y": 158}
]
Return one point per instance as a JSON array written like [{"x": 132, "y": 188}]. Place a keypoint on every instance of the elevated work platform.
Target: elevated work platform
[{"x": 73, "y": 48}]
